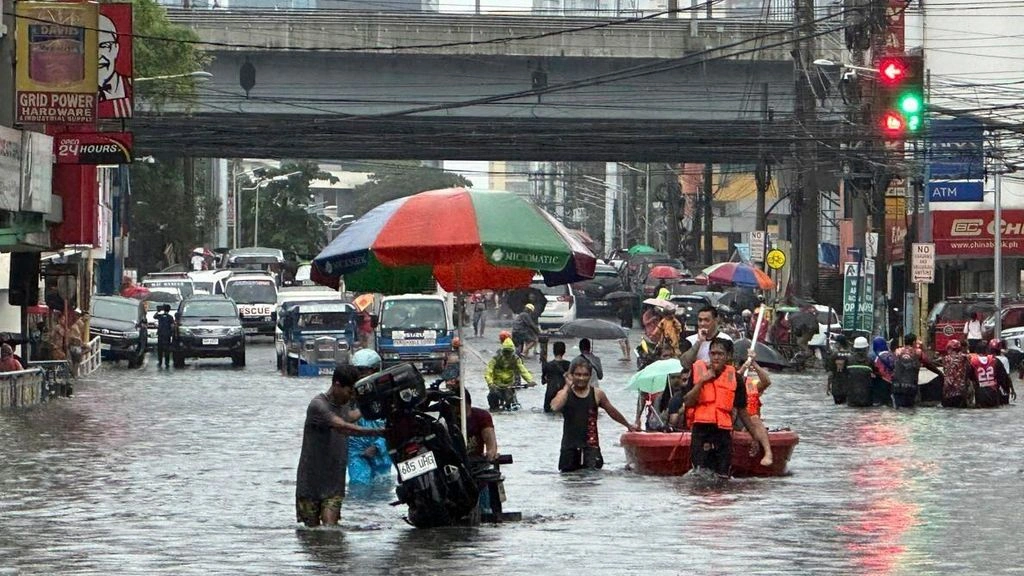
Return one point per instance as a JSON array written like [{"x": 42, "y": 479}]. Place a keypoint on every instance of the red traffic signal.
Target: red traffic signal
[
  {"x": 893, "y": 124},
  {"x": 892, "y": 70}
]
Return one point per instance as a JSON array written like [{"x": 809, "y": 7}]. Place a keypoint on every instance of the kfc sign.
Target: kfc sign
[{"x": 972, "y": 232}]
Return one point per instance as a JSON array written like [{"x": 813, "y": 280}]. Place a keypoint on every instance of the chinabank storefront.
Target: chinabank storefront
[{"x": 964, "y": 237}]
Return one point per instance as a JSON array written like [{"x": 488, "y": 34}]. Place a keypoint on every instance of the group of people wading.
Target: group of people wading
[{"x": 869, "y": 376}]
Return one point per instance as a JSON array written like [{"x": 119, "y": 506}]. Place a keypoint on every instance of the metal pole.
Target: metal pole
[
  {"x": 647, "y": 207},
  {"x": 237, "y": 212},
  {"x": 998, "y": 233},
  {"x": 256, "y": 220}
]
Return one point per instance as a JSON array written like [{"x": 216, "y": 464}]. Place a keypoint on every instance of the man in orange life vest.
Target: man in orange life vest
[{"x": 717, "y": 393}]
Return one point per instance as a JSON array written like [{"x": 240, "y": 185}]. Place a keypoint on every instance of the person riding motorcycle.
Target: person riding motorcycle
[{"x": 500, "y": 377}]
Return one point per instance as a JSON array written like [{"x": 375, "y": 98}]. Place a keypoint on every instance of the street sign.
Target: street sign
[
  {"x": 858, "y": 298},
  {"x": 956, "y": 149},
  {"x": 922, "y": 263},
  {"x": 775, "y": 259},
  {"x": 869, "y": 266},
  {"x": 956, "y": 191},
  {"x": 757, "y": 241}
]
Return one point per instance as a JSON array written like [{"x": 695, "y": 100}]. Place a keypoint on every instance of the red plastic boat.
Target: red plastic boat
[{"x": 668, "y": 453}]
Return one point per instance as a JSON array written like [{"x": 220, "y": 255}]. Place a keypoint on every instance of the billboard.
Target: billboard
[
  {"x": 37, "y": 171},
  {"x": 114, "y": 61},
  {"x": 972, "y": 232},
  {"x": 956, "y": 149},
  {"x": 93, "y": 148},
  {"x": 56, "y": 69},
  {"x": 10, "y": 169}
]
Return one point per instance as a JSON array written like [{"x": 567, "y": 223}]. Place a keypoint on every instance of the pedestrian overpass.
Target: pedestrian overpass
[{"x": 332, "y": 84}]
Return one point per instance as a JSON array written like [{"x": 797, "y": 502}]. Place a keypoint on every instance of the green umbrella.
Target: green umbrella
[
  {"x": 652, "y": 378},
  {"x": 641, "y": 249}
]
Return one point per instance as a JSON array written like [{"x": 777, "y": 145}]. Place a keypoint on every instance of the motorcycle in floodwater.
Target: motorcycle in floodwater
[{"x": 436, "y": 480}]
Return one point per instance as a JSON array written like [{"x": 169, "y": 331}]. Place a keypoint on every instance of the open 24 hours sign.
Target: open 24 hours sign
[{"x": 93, "y": 148}]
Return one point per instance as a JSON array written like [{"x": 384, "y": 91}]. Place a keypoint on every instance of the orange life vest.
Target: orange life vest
[
  {"x": 715, "y": 403},
  {"x": 753, "y": 397}
]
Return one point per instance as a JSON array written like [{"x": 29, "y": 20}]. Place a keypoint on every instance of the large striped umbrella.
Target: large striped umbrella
[
  {"x": 466, "y": 239},
  {"x": 738, "y": 274}
]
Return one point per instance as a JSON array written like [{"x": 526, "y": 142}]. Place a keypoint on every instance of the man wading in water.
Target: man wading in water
[
  {"x": 578, "y": 402},
  {"x": 320, "y": 481}
]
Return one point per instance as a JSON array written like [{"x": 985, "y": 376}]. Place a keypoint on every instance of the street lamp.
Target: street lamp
[
  {"x": 826, "y": 63},
  {"x": 256, "y": 218},
  {"x": 197, "y": 74}
]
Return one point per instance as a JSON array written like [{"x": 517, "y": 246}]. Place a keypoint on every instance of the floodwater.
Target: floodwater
[{"x": 192, "y": 472}]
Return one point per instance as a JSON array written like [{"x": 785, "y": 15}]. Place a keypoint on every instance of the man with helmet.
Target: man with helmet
[
  {"x": 525, "y": 330},
  {"x": 368, "y": 456},
  {"x": 908, "y": 361},
  {"x": 500, "y": 377}
]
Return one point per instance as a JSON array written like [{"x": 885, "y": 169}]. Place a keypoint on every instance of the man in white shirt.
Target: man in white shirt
[
  {"x": 972, "y": 329},
  {"x": 707, "y": 330},
  {"x": 198, "y": 261}
]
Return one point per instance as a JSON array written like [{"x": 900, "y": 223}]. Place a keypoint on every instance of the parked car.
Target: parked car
[
  {"x": 120, "y": 324},
  {"x": 561, "y": 307},
  {"x": 829, "y": 327},
  {"x": 590, "y": 293},
  {"x": 947, "y": 318},
  {"x": 687, "y": 307},
  {"x": 1012, "y": 316},
  {"x": 208, "y": 326}
]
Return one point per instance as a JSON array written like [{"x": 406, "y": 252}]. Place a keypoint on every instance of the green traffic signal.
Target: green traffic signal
[{"x": 911, "y": 104}]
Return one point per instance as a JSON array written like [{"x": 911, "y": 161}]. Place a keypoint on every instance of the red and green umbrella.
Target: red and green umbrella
[
  {"x": 465, "y": 239},
  {"x": 738, "y": 274}
]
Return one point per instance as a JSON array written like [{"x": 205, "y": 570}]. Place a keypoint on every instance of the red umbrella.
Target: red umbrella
[{"x": 664, "y": 273}]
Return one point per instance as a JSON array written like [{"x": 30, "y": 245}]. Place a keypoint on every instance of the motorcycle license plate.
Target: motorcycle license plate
[
  {"x": 210, "y": 341},
  {"x": 416, "y": 466}
]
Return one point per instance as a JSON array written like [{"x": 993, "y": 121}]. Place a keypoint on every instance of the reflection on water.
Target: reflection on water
[{"x": 192, "y": 472}]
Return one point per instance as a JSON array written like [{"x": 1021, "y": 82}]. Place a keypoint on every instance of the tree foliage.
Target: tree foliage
[
  {"x": 165, "y": 221},
  {"x": 286, "y": 219},
  {"x": 398, "y": 181},
  {"x": 162, "y": 48}
]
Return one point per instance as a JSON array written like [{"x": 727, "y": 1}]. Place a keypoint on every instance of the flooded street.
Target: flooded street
[{"x": 192, "y": 472}]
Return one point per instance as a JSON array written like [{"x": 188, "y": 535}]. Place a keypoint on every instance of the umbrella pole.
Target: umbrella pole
[
  {"x": 460, "y": 297},
  {"x": 757, "y": 332}
]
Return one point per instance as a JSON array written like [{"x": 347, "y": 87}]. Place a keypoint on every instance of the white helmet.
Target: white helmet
[{"x": 366, "y": 358}]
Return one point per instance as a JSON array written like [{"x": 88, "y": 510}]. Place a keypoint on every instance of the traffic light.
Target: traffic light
[{"x": 900, "y": 101}]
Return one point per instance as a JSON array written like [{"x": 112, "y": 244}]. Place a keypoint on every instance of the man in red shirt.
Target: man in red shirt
[{"x": 481, "y": 442}]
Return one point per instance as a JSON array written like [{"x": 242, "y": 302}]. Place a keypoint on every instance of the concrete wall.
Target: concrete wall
[{"x": 456, "y": 34}]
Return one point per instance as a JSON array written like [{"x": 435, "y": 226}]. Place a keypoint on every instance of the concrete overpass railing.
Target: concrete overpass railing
[{"x": 457, "y": 34}]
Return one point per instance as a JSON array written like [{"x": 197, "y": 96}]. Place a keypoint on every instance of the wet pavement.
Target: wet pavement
[{"x": 192, "y": 471}]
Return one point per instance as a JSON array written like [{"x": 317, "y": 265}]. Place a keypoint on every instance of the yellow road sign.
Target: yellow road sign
[{"x": 775, "y": 259}]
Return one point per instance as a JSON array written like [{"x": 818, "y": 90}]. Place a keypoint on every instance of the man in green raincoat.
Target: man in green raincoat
[{"x": 500, "y": 377}]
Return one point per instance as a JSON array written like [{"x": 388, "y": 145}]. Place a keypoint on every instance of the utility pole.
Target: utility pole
[
  {"x": 762, "y": 178},
  {"x": 673, "y": 215},
  {"x": 709, "y": 170},
  {"x": 805, "y": 247}
]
